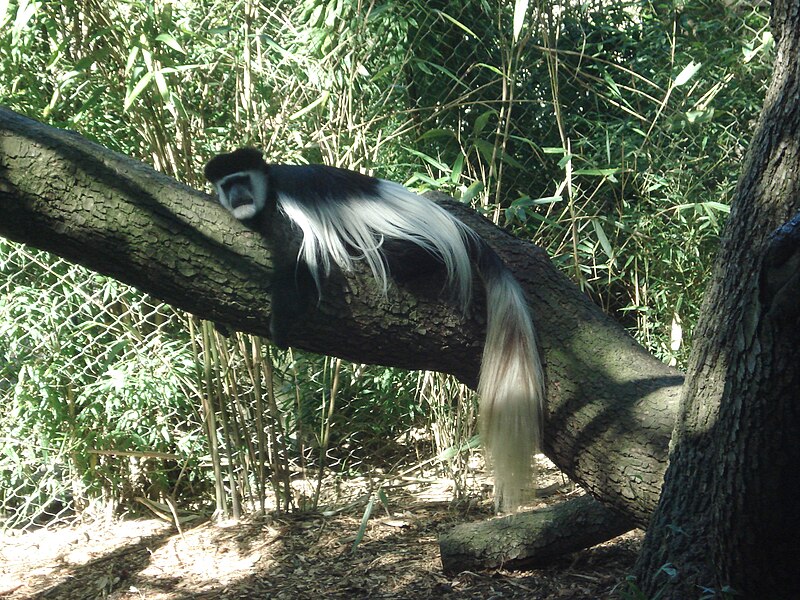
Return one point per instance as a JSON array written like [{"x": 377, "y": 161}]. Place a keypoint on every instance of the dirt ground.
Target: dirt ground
[{"x": 291, "y": 557}]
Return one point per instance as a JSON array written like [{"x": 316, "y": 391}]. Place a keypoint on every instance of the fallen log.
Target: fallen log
[{"x": 526, "y": 539}]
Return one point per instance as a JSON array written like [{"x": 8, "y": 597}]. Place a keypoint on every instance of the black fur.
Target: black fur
[
  {"x": 293, "y": 286},
  {"x": 346, "y": 217}
]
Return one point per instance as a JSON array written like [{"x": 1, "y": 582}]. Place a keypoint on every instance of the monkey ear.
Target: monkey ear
[{"x": 243, "y": 159}]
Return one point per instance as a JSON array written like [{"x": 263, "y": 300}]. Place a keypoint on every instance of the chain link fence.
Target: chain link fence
[
  {"x": 113, "y": 401},
  {"x": 589, "y": 130},
  {"x": 93, "y": 381}
]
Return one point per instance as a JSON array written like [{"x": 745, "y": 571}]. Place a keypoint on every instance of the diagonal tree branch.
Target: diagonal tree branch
[{"x": 611, "y": 404}]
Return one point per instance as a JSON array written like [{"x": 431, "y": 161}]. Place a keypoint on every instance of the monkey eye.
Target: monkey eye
[{"x": 234, "y": 180}]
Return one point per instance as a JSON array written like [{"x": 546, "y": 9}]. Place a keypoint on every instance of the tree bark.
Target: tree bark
[
  {"x": 727, "y": 518},
  {"x": 610, "y": 404},
  {"x": 527, "y": 539}
]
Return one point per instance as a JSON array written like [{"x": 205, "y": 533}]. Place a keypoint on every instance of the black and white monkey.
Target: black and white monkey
[{"x": 346, "y": 216}]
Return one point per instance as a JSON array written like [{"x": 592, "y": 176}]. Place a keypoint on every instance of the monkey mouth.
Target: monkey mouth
[
  {"x": 238, "y": 202},
  {"x": 244, "y": 211}
]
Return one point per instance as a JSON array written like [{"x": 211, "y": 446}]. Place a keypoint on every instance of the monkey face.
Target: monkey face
[{"x": 243, "y": 193}]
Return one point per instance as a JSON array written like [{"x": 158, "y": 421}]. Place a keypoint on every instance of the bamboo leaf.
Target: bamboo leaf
[
  {"x": 4, "y": 13},
  {"x": 437, "y": 133},
  {"x": 307, "y": 109},
  {"x": 364, "y": 521},
  {"x": 436, "y": 164},
  {"x": 25, "y": 12},
  {"x": 492, "y": 68},
  {"x": 688, "y": 72},
  {"x": 137, "y": 90},
  {"x": 132, "y": 55},
  {"x": 161, "y": 84},
  {"x": 603, "y": 238},
  {"x": 520, "y": 9},
  {"x": 471, "y": 192},
  {"x": 482, "y": 121},
  {"x": 547, "y": 200},
  {"x": 170, "y": 41},
  {"x": 458, "y": 168},
  {"x": 457, "y": 23}
]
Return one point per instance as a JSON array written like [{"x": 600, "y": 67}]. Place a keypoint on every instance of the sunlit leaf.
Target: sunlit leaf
[
  {"x": 137, "y": 90},
  {"x": 25, "y": 11},
  {"x": 492, "y": 68},
  {"x": 307, "y": 109},
  {"x": 4, "y": 12},
  {"x": 520, "y": 9},
  {"x": 547, "y": 200},
  {"x": 131, "y": 59},
  {"x": 161, "y": 84},
  {"x": 700, "y": 116},
  {"x": 453, "y": 451},
  {"x": 603, "y": 238},
  {"x": 688, "y": 72},
  {"x": 457, "y": 23},
  {"x": 713, "y": 205},
  {"x": 436, "y": 164},
  {"x": 472, "y": 192},
  {"x": 612, "y": 85},
  {"x": 170, "y": 41},
  {"x": 607, "y": 173}
]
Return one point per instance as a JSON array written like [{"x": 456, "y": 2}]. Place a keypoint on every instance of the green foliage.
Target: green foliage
[
  {"x": 610, "y": 133},
  {"x": 88, "y": 366},
  {"x": 655, "y": 152},
  {"x": 641, "y": 151}
]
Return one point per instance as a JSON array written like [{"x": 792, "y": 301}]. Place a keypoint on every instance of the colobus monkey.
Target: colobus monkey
[{"x": 346, "y": 216}]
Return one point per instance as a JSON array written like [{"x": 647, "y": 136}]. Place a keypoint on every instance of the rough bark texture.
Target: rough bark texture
[
  {"x": 728, "y": 515},
  {"x": 528, "y": 539},
  {"x": 611, "y": 405}
]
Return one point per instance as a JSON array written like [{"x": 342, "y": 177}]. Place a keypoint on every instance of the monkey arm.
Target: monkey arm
[{"x": 293, "y": 291}]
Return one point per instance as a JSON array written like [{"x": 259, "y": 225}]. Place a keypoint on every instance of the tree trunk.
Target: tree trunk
[
  {"x": 610, "y": 405},
  {"x": 727, "y": 518}
]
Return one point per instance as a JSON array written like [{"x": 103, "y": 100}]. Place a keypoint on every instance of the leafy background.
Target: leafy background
[{"x": 611, "y": 133}]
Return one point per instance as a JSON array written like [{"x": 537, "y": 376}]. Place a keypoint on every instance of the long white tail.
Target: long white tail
[
  {"x": 511, "y": 381},
  {"x": 511, "y": 385}
]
